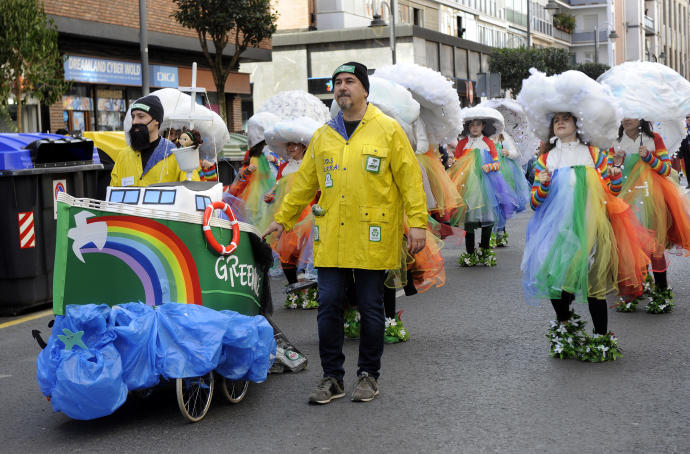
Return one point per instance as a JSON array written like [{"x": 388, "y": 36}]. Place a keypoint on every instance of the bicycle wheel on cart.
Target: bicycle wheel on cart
[
  {"x": 234, "y": 390},
  {"x": 194, "y": 396}
]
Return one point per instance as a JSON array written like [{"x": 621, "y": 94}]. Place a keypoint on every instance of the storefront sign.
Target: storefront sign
[
  {"x": 163, "y": 76},
  {"x": 113, "y": 72},
  {"x": 96, "y": 70}
]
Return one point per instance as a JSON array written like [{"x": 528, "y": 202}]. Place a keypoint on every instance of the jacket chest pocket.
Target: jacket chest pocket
[{"x": 374, "y": 159}]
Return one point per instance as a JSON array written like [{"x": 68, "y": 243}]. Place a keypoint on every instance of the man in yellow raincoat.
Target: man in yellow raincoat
[
  {"x": 150, "y": 157},
  {"x": 368, "y": 175}
]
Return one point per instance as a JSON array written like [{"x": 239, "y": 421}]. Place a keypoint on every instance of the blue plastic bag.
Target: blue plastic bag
[
  {"x": 265, "y": 351},
  {"x": 90, "y": 318},
  {"x": 89, "y": 383},
  {"x": 248, "y": 348},
  {"x": 93, "y": 320},
  {"x": 134, "y": 325},
  {"x": 130, "y": 346},
  {"x": 49, "y": 359},
  {"x": 189, "y": 339}
]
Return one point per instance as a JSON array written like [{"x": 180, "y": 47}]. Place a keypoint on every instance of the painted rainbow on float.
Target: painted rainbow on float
[{"x": 155, "y": 254}]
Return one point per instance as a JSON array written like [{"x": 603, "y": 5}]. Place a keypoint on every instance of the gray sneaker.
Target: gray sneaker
[
  {"x": 327, "y": 390},
  {"x": 365, "y": 388}
]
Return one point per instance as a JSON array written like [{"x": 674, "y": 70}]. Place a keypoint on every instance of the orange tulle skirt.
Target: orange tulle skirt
[
  {"x": 442, "y": 187},
  {"x": 635, "y": 246},
  {"x": 660, "y": 205}
]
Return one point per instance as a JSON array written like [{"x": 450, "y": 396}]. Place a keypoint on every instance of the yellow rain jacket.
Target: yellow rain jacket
[
  {"x": 161, "y": 167},
  {"x": 366, "y": 181}
]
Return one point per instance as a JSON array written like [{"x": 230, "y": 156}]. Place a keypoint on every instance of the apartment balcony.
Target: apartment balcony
[
  {"x": 649, "y": 26},
  {"x": 563, "y": 36},
  {"x": 588, "y": 37},
  {"x": 586, "y": 2}
]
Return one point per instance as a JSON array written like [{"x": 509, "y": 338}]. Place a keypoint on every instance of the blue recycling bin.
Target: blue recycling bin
[{"x": 33, "y": 167}]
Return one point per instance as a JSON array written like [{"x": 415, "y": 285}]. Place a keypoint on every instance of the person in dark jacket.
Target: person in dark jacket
[{"x": 684, "y": 152}]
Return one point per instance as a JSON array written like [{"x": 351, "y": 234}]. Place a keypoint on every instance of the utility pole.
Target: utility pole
[
  {"x": 143, "y": 48},
  {"x": 393, "y": 9},
  {"x": 596, "y": 43},
  {"x": 529, "y": 25}
]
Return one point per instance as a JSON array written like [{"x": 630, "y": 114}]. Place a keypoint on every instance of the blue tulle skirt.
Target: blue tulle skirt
[{"x": 515, "y": 177}]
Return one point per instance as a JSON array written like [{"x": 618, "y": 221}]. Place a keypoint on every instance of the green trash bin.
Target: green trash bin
[{"x": 33, "y": 168}]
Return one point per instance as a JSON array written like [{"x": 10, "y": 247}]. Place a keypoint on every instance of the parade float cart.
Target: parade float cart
[{"x": 151, "y": 285}]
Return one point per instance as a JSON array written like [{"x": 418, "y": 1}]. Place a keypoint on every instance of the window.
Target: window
[
  {"x": 418, "y": 17},
  {"x": 461, "y": 31},
  {"x": 159, "y": 197},
  {"x": 124, "y": 196},
  {"x": 404, "y": 11},
  {"x": 202, "y": 202}
]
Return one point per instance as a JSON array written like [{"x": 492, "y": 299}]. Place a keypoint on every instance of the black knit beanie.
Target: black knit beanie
[
  {"x": 355, "y": 68},
  {"x": 151, "y": 105}
]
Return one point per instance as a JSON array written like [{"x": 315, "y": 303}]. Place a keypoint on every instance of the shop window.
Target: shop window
[
  {"x": 110, "y": 109},
  {"x": 78, "y": 107}
]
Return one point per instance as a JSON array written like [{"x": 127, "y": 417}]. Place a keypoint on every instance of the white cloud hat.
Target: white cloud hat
[{"x": 597, "y": 112}]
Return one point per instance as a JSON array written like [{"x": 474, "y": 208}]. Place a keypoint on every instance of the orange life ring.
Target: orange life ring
[{"x": 232, "y": 247}]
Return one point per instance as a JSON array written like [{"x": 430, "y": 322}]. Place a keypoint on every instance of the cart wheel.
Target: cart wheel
[
  {"x": 194, "y": 396},
  {"x": 234, "y": 390}
]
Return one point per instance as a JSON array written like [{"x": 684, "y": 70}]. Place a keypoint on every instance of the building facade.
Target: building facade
[
  {"x": 306, "y": 60},
  {"x": 100, "y": 43},
  {"x": 673, "y": 34},
  {"x": 455, "y": 37}
]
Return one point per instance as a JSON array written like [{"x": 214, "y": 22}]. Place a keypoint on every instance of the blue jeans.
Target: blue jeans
[{"x": 332, "y": 284}]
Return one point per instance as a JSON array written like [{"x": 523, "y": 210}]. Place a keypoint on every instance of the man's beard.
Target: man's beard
[
  {"x": 139, "y": 137},
  {"x": 345, "y": 102}
]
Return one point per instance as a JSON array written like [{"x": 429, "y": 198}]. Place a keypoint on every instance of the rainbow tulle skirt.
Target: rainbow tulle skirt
[
  {"x": 583, "y": 240},
  {"x": 487, "y": 196}
]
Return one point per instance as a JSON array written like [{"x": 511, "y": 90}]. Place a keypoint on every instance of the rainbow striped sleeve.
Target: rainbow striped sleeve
[
  {"x": 539, "y": 190},
  {"x": 209, "y": 174},
  {"x": 603, "y": 160},
  {"x": 658, "y": 159}
]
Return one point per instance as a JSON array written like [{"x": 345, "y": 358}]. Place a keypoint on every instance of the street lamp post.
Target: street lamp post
[{"x": 377, "y": 21}]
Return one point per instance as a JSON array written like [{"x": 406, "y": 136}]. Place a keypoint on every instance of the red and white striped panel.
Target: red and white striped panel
[{"x": 27, "y": 238}]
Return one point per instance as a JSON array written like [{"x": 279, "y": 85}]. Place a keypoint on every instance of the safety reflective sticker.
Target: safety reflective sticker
[
  {"x": 373, "y": 164},
  {"x": 374, "y": 233},
  {"x": 27, "y": 237},
  {"x": 328, "y": 181}
]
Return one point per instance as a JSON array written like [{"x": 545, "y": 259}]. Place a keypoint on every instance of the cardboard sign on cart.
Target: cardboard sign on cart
[{"x": 116, "y": 253}]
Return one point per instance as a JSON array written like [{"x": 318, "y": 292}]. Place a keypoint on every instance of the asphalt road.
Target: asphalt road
[{"x": 475, "y": 377}]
